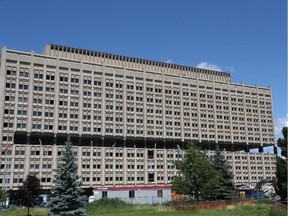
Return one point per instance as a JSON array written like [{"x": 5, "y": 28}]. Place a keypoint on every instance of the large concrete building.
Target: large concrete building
[{"x": 128, "y": 118}]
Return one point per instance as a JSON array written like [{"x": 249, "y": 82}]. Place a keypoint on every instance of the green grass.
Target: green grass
[
  {"x": 23, "y": 212},
  {"x": 116, "y": 208}
]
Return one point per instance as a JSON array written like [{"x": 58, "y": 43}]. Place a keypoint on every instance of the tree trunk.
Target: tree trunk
[
  {"x": 28, "y": 211},
  {"x": 197, "y": 195}
]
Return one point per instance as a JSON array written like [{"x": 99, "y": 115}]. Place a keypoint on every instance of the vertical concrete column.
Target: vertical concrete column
[
  {"x": 264, "y": 165},
  {"x": 245, "y": 115},
  {"x": 102, "y": 180},
  {"x": 79, "y": 159},
  {"x": 30, "y": 94},
  {"x": 234, "y": 167},
  {"x": 182, "y": 145},
  {"x": 259, "y": 115},
  {"x": 2, "y": 90},
  {"x": 114, "y": 164},
  {"x": 54, "y": 157},
  {"x": 80, "y": 140},
  {"x": 215, "y": 114},
  {"x": 27, "y": 160},
  {"x": 124, "y": 161},
  {"x": 55, "y": 139},
  {"x": 247, "y": 148},
  {"x": 145, "y": 163},
  {"x": 12, "y": 172},
  {"x": 260, "y": 149},
  {"x": 103, "y": 103},
  {"x": 155, "y": 166},
  {"x": 91, "y": 165},
  {"x": 81, "y": 90},
  {"x": 124, "y": 103},
  {"x": 56, "y": 98},
  {"x": 181, "y": 110},
  {"x": 249, "y": 168},
  {"x": 198, "y": 111},
  {"x": 232, "y": 147},
  {"x": 135, "y": 166},
  {"x": 217, "y": 146},
  {"x": 165, "y": 162},
  {"x": 102, "y": 161},
  {"x": 28, "y": 138},
  {"x": 163, "y": 106},
  {"x": 275, "y": 149},
  {"x": 230, "y": 114}
]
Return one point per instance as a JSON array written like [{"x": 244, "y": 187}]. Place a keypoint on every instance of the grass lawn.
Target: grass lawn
[
  {"x": 261, "y": 209},
  {"x": 23, "y": 211}
]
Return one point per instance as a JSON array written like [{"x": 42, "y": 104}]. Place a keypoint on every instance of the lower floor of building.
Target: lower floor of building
[{"x": 111, "y": 166}]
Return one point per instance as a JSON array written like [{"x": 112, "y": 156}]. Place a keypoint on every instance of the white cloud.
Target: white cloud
[
  {"x": 231, "y": 69},
  {"x": 169, "y": 61},
  {"x": 280, "y": 123},
  {"x": 206, "y": 65}
]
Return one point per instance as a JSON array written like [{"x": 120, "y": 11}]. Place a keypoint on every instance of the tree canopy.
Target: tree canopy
[
  {"x": 66, "y": 196},
  {"x": 281, "y": 166},
  {"x": 197, "y": 176},
  {"x": 282, "y": 142},
  {"x": 226, "y": 189},
  {"x": 29, "y": 192}
]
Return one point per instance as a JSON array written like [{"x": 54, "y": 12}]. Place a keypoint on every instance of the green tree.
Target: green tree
[
  {"x": 66, "y": 196},
  {"x": 281, "y": 166},
  {"x": 3, "y": 195},
  {"x": 226, "y": 187},
  {"x": 29, "y": 192},
  {"x": 197, "y": 175},
  {"x": 282, "y": 142}
]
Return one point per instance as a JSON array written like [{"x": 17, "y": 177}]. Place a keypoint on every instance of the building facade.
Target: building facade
[{"x": 128, "y": 118}]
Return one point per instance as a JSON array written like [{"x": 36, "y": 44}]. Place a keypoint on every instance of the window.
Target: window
[
  {"x": 150, "y": 154},
  {"x": 150, "y": 177},
  {"x": 159, "y": 193},
  {"x": 132, "y": 194},
  {"x": 104, "y": 194}
]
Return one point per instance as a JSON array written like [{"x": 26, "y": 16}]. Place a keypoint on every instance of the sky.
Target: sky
[{"x": 247, "y": 38}]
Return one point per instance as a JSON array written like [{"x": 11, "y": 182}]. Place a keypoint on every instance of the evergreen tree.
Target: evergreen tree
[
  {"x": 29, "y": 192},
  {"x": 197, "y": 176},
  {"x": 66, "y": 196},
  {"x": 226, "y": 187},
  {"x": 281, "y": 166}
]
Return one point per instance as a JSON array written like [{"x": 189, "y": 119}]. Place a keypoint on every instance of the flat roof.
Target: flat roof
[{"x": 146, "y": 187}]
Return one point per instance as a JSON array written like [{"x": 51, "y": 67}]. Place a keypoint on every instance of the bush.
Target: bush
[{"x": 106, "y": 204}]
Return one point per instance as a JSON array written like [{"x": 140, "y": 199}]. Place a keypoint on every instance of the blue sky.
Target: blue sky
[{"x": 247, "y": 38}]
